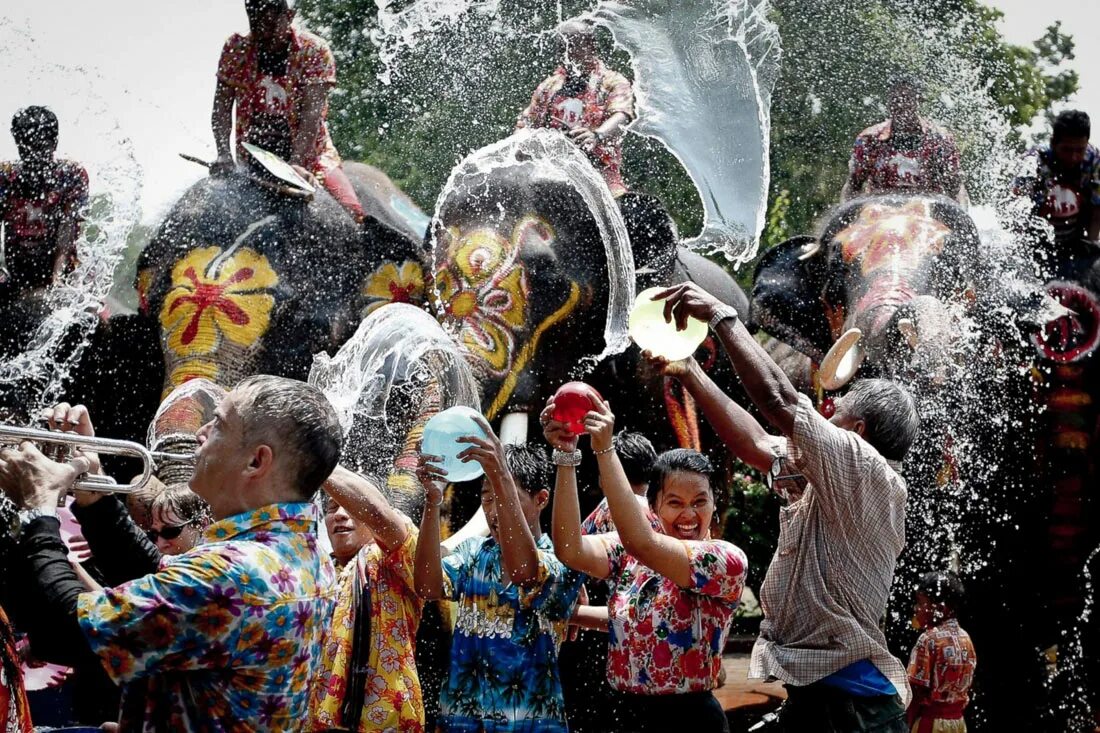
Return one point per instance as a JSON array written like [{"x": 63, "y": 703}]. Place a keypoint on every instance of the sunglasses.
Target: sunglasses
[{"x": 170, "y": 532}]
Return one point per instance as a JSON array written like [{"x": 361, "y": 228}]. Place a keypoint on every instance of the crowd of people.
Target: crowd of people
[{"x": 217, "y": 607}]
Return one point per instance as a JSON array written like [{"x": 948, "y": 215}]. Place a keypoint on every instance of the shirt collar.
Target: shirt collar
[
  {"x": 888, "y": 128},
  {"x": 286, "y": 517}
]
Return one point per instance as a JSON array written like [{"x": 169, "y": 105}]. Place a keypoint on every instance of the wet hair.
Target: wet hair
[
  {"x": 182, "y": 503},
  {"x": 671, "y": 461},
  {"x": 889, "y": 415},
  {"x": 637, "y": 456},
  {"x": 574, "y": 28},
  {"x": 262, "y": 6},
  {"x": 530, "y": 467},
  {"x": 1071, "y": 123},
  {"x": 299, "y": 419},
  {"x": 943, "y": 587},
  {"x": 909, "y": 81},
  {"x": 34, "y": 120}
]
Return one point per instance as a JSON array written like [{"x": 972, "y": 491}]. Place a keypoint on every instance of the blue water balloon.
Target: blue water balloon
[{"x": 441, "y": 434}]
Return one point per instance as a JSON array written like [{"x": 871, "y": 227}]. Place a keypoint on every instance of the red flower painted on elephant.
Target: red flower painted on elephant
[
  {"x": 210, "y": 295},
  {"x": 899, "y": 237}
]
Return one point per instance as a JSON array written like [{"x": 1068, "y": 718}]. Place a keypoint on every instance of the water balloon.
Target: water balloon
[
  {"x": 572, "y": 402},
  {"x": 441, "y": 434},
  {"x": 653, "y": 333}
]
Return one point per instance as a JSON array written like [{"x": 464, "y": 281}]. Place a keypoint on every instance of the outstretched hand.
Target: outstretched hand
[
  {"x": 600, "y": 426},
  {"x": 666, "y": 368},
  {"x": 557, "y": 433},
  {"x": 688, "y": 300},
  {"x": 488, "y": 451},
  {"x": 67, "y": 418}
]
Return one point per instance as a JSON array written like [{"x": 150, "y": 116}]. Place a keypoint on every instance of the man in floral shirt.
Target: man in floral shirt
[
  {"x": 368, "y": 679},
  {"x": 514, "y": 597},
  {"x": 588, "y": 101},
  {"x": 227, "y": 636},
  {"x": 279, "y": 78}
]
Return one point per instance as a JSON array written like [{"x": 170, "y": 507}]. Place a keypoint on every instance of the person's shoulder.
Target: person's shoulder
[
  {"x": 874, "y": 132},
  {"x": 611, "y": 77},
  {"x": 313, "y": 42},
  {"x": 71, "y": 170},
  {"x": 238, "y": 42}
]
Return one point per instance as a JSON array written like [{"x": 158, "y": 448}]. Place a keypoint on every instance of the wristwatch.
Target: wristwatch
[
  {"x": 566, "y": 458},
  {"x": 724, "y": 311}
]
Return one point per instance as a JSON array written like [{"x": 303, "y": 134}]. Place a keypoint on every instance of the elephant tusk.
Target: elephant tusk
[
  {"x": 513, "y": 428},
  {"x": 908, "y": 329},
  {"x": 843, "y": 360},
  {"x": 809, "y": 250}
]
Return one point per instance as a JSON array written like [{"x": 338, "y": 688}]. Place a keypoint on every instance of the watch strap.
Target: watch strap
[
  {"x": 566, "y": 458},
  {"x": 723, "y": 312}
]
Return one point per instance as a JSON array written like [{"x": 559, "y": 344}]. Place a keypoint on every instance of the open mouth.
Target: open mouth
[
  {"x": 342, "y": 530},
  {"x": 686, "y": 530}
]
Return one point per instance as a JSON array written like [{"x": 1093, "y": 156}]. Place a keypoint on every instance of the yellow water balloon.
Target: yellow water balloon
[{"x": 650, "y": 330}]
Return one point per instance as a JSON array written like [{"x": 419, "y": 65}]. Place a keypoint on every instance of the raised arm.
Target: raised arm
[
  {"x": 428, "y": 571},
  {"x": 312, "y": 109},
  {"x": 766, "y": 384},
  {"x": 365, "y": 503},
  {"x": 586, "y": 554},
  {"x": 664, "y": 554}
]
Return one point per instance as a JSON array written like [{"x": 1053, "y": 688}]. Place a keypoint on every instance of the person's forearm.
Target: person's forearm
[
  {"x": 590, "y": 617},
  {"x": 518, "y": 552},
  {"x": 765, "y": 383},
  {"x": 221, "y": 120},
  {"x": 121, "y": 549},
  {"x": 634, "y": 529},
  {"x": 365, "y": 503},
  {"x": 66, "y": 248},
  {"x": 613, "y": 125},
  {"x": 737, "y": 429},
  {"x": 566, "y": 517},
  {"x": 428, "y": 571},
  {"x": 305, "y": 139}
]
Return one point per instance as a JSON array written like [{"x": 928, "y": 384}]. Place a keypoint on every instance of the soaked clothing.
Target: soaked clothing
[
  {"x": 376, "y": 595},
  {"x": 32, "y": 214},
  {"x": 563, "y": 103},
  {"x": 890, "y": 162},
  {"x": 226, "y": 636},
  {"x": 664, "y": 639},
  {"x": 823, "y": 708},
  {"x": 504, "y": 653},
  {"x": 941, "y": 668},
  {"x": 827, "y": 585},
  {"x": 1065, "y": 199}
]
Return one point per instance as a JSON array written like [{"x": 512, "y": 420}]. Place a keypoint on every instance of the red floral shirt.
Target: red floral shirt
[
  {"x": 606, "y": 93},
  {"x": 664, "y": 639},
  {"x": 927, "y": 162},
  {"x": 278, "y": 97},
  {"x": 943, "y": 662}
]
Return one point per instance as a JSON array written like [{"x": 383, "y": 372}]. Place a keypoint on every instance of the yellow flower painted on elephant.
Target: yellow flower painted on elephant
[
  {"x": 483, "y": 289},
  {"x": 211, "y": 299},
  {"x": 393, "y": 283},
  {"x": 893, "y": 236}
]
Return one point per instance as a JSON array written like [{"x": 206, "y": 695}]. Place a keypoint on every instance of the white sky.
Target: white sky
[{"x": 153, "y": 62}]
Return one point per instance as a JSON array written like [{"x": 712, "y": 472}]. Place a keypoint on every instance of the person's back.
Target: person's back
[{"x": 942, "y": 663}]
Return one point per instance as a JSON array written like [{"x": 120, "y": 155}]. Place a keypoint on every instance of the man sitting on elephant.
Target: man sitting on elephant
[
  {"x": 279, "y": 78},
  {"x": 588, "y": 101},
  {"x": 41, "y": 201},
  {"x": 1063, "y": 181},
  {"x": 905, "y": 153},
  {"x": 840, "y": 535}
]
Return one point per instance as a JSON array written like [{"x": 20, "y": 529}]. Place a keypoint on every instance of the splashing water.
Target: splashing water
[
  {"x": 703, "y": 79},
  {"x": 70, "y": 309}
]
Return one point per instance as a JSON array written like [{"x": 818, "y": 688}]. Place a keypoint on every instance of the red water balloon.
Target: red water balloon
[{"x": 572, "y": 402}]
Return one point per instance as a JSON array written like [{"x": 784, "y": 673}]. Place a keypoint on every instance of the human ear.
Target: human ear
[
  {"x": 262, "y": 460},
  {"x": 542, "y": 498}
]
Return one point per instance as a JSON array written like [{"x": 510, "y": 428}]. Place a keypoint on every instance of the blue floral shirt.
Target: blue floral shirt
[
  {"x": 225, "y": 637},
  {"x": 504, "y": 653}
]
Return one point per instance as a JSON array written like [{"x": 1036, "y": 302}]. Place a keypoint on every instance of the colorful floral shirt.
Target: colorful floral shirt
[
  {"x": 225, "y": 637},
  {"x": 664, "y": 639},
  {"x": 943, "y": 662},
  {"x": 504, "y": 653},
  {"x": 1059, "y": 197},
  {"x": 926, "y": 162},
  {"x": 605, "y": 93},
  {"x": 600, "y": 521},
  {"x": 392, "y": 700},
  {"x": 32, "y": 215},
  {"x": 275, "y": 100},
  {"x": 15, "y": 713}
]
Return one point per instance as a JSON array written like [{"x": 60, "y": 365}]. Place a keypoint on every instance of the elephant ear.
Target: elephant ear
[{"x": 786, "y": 295}]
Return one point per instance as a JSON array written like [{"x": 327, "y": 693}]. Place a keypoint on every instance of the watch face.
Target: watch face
[{"x": 784, "y": 479}]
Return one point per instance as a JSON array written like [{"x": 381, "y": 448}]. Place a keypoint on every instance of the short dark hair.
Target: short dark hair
[
  {"x": 889, "y": 415},
  {"x": 677, "y": 459},
  {"x": 906, "y": 80},
  {"x": 259, "y": 6},
  {"x": 1071, "y": 123},
  {"x": 530, "y": 466},
  {"x": 943, "y": 587},
  {"x": 183, "y": 503},
  {"x": 637, "y": 456},
  {"x": 297, "y": 417},
  {"x": 34, "y": 120}
]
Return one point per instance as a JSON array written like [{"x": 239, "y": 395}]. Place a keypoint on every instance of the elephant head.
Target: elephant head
[{"x": 877, "y": 285}]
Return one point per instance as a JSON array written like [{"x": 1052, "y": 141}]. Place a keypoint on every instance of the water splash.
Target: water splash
[
  {"x": 70, "y": 309},
  {"x": 703, "y": 79}
]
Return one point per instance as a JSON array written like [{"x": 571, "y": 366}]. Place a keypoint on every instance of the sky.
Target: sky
[{"x": 152, "y": 64}]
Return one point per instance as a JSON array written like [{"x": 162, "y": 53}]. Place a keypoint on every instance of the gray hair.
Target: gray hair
[
  {"x": 889, "y": 415},
  {"x": 297, "y": 418}
]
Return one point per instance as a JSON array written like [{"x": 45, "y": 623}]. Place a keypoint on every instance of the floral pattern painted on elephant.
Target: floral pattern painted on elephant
[
  {"x": 897, "y": 236},
  {"x": 393, "y": 283},
  {"x": 483, "y": 289},
  {"x": 214, "y": 297}
]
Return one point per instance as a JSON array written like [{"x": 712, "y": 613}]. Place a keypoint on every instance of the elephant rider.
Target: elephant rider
[
  {"x": 905, "y": 153},
  {"x": 588, "y": 101},
  {"x": 41, "y": 203},
  {"x": 1063, "y": 181},
  {"x": 279, "y": 78}
]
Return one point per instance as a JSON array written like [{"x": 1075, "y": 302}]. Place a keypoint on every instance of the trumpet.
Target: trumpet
[{"x": 11, "y": 435}]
